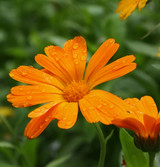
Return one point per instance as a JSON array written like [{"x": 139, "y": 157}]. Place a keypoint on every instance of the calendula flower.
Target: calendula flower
[
  {"x": 64, "y": 88},
  {"x": 126, "y": 7},
  {"x": 6, "y": 112},
  {"x": 158, "y": 54},
  {"x": 142, "y": 118}
]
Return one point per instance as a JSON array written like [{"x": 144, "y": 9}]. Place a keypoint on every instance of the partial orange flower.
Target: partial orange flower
[
  {"x": 126, "y": 7},
  {"x": 63, "y": 88},
  {"x": 142, "y": 118}
]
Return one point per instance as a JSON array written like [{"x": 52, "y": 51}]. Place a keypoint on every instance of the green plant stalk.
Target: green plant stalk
[
  {"x": 102, "y": 145},
  {"x": 151, "y": 158},
  {"x": 16, "y": 140}
]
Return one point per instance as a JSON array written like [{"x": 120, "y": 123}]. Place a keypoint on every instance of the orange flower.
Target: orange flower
[
  {"x": 143, "y": 118},
  {"x": 126, "y": 7},
  {"x": 63, "y": 88}
]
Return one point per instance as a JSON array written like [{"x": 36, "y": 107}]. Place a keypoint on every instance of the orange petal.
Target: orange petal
[
  {"x": 131, "y": 124},
  {"x": 37, "y": 125},
  {"x": 52, "y": 65},
  {"x": 141, "y": 4},
  {"x": 33, "y": 99},
  {"x": 101, "y": 57},
  {"x": 30, "y": 75},
  {"x": 135, "y": 107},
  {"x": 35, "y": 89},
  {"x": 43, "y": 109},
  {"x": 114, "y": 70},
  {"x": 66, "y": 113},
  {"x": 149, "y": 123},
  {"x": 126, "y": 7},
  {"x": 77, "y": 49},
  {"x": 107, "y": 103},
  {"x": 150, "y": 107}
]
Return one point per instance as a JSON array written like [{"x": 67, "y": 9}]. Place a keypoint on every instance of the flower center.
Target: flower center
[{"x": 75, "y": 91}]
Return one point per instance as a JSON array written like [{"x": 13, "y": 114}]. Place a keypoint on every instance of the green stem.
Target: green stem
[
  {"x": 102, "y": 144},
  {"x": 151, "y": 158},
  {"x": 19, "y": 149}
]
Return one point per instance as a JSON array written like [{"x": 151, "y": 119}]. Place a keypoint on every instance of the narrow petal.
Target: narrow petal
[
  {"x": 149, "y": 123},
  {"x": 52, "y": 65},
  {"x": 37, "y": 125},
  {"x": 141, "y": 4},
  {"x": 77, "y": 49},
  {"x": 114, "y": 70},
  {"x": 30, "y": 75},
  {"x": 43, "y": 109},
  {"x": 66, "y": 113},
  {"x": 149, "y": 106},
  {"x": 108, "y": 104},
  {"x": 35, "y": 89},
  {"x": 33, "y": 99},
  {"x": 101, "y": 57},
  {"x": 126, "y": 7}
]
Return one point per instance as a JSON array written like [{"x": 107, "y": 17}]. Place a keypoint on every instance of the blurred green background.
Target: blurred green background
[{"x": 26, "y": 27}]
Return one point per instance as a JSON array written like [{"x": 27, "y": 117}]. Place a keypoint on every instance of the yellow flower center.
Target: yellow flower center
[{"x": 75, "y": 91}]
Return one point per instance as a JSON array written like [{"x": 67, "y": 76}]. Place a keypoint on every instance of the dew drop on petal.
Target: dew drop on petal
[
  {"x": 24, "y": 73},
  {"x": 75, "y": 55},
  {"x": 29, "y": 97},
  {"x": 75, "y": 46},
  {"x": 11, "y": 75},
  {"x": 68, "y": 123},
  {"x": 83, "y": 58}
]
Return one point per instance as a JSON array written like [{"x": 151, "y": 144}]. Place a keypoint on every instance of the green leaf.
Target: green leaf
[
  {"x": 30, "y": 148},
  {"x": 58, "y": 162},
  {"x": 144, "y": 48},
  {"x": 133, "y": 156},
  {"x": 5, "y": 144}
]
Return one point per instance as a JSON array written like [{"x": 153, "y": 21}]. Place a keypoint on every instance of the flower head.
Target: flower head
[
  {"x": 142, "y": 118},
  {"x": 126, "y": 7},
  {"x": 64, "y": 88}
]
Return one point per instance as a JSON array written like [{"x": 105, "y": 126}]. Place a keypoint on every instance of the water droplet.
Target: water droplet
[
  {"x": 11, "y": 75},
  {"x": 111, "y": 106},
  {"x": 57, "y": 58},
  {"x": 24, "y": 73},
  {"x": 75, "y": 46},
  {"x": 41, "y": 126},
  {"x": 20, "y": 88},
  {"x": 64, "y": 118},
  {"x": 83, "y": 58},
  {"x": 29, "y": 97},
  {"x": 75, "y": 55},
  {"x": 99, "y": 106},
  {"x": 46, "y": 119},
  {"x": 76, "y": 62},
  {"x": 84, "y": 51},
  {"x": 68, "y": 123},
  {"x": 115, "y": 68},
  {"x": 43, "y": 90}
]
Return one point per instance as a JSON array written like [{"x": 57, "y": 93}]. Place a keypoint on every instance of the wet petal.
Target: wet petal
[
  {"x": 101, "y": 57},
  {"x": 66, "y": 113},
  {"x": 114, "y": 70},
  {"x": 77, "y": 49},
  {"x": 35, "y": 89},
  {"x": 37, "y": 125},
  {"x": 33, "y": 99},
  {"x": 43, "y": 109},
  {"x": 30, "y": 75}
]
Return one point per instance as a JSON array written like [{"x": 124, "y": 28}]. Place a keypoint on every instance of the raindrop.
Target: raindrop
[
  {"x": 75, "y": 55},
  {"x": 24, "y": 73},
  {"x": 75, "y": 46},
  {"x": 29, "y": 97},
  {"x": 83, "y": 58},
  {"x": 11, "y": 75},
  {"x": 68, "y": 123}
]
